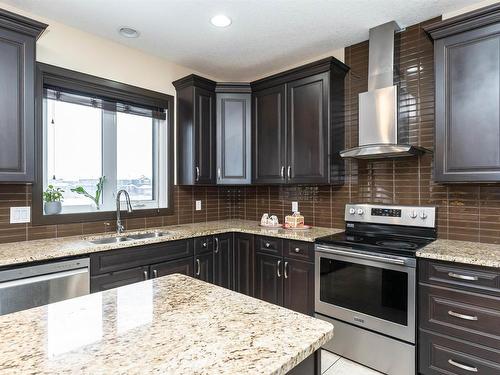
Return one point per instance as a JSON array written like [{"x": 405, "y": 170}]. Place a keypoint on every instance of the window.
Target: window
[{"x": 90, "y": 139}]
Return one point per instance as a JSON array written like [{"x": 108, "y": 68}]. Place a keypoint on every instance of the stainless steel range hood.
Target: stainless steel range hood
[{"x": 378, "y": 107}]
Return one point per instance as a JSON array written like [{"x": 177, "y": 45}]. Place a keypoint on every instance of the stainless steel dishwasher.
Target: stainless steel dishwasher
[{"x": 26, "y": 287}]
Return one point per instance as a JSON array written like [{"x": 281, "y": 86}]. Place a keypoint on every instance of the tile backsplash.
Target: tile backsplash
[{"x": 465, "y": 211}]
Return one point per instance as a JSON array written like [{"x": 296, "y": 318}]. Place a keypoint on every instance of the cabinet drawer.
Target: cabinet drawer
[
  {"x": 203, "y": 245},
  {"x": 269, "y": 245},
  {"x": 443, "y": 355},
  {"x": 464, "y": 315},
  {"x": 473, "y": 278},
  {"x": 299, "y": 250},
  {"x": 183, "y": 266},
  {"x": 117, "y": 279},
  {"x": 115, "y": 260}
]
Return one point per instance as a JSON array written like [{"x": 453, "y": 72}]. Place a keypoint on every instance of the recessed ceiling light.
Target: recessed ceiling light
[
  {"x": 128, "y": 32},
  {"x": 220, "y": 20}
]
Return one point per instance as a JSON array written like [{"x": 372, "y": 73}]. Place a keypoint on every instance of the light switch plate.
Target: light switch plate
[
  {"x": 20, "y": 215},
  {"x": 295, "y": 206},
  {"x": 198, "y": 205}
]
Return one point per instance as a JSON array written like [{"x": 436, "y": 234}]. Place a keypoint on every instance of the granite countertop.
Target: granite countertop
[
  {"x": 474, "y": 253},
  {"x": 39, "y": 250},
  {"x": 170, "y": 325}
]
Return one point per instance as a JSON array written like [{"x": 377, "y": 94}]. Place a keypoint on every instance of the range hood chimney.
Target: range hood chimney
[{"x": 378, "y": 107}]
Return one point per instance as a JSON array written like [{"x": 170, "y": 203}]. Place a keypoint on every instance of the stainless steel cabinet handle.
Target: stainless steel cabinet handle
[
  {"x": 462, "y": 316},
  {"x": 216, "y": 245},
  {"x": 285, "y": 270},
  {"x": 282, "y": 172},
  {"x": 198, "y": 267},
  {"x": 204, "y": 244},
  {"x": 462, "y": 366},
  {"x": 218, "y": 173},
  {"x": 297, "y": 250},
  {"x": 289, "y": 172},
  {"x": 278, "y": 269},
  {"x": 155, "y": 274},
  {"x": 462, "y": 277},
  {"x": 197, "y": 173},
  {"x": 145, "y": 275},
  {"x": 268, "y": 245}
]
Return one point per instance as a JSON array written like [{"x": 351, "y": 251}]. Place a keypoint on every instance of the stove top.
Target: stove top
[
  {"x": 375, "y": 242},
  {"x": 395, "y": 230}
]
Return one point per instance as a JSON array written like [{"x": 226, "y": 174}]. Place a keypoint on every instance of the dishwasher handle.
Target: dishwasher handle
[{"x": 42, "y": 278}]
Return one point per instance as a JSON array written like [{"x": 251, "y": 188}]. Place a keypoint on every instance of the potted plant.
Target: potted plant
[
  {"x": 52, "y": 197},
  {"x": 98, "y": 193}
]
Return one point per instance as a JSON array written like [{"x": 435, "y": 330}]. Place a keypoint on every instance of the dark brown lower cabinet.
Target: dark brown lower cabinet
[
  {"x": 118, "y": 278},
  {"x": 204, "y": 267},
  {"x": 223, "y": 258},
  {"x": 243, "y": 264},
  {"x": 286, "y": 280},
  {"x": 459, "y": 319},
  {"x": 298, "y": 291},
  {"x": 268, "y": 279},
  {"x": 184, "y": 266}
]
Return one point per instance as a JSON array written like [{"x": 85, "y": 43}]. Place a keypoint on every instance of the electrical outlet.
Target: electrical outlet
[
  {"x": 295, "y": 206},
  {"x": 198, "y": 205},
  {"x": 20, "y": 215}
]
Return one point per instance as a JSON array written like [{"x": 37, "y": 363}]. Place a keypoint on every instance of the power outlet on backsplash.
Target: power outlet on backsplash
[
  {"x": 198, "y": 206},
  {"x": 295, "y": 206}
]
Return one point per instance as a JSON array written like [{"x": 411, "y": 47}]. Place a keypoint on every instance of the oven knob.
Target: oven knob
[
  {"x": 360, "y": 211},
  {"x": 352, "y": 211},
  {"x": 423, "y": 215},
  {"x": 413, "y": 214}
]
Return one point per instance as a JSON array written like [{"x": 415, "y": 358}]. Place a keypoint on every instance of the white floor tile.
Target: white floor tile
[
  {"x": 327, "y": 360},
  {"x": 345, "y": 367}
]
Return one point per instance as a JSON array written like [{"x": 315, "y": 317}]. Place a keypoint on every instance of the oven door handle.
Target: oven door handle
[{"x": 401, "y": 262}]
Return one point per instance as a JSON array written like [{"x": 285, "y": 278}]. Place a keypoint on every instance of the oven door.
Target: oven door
[{"x": 376, "y": 292}]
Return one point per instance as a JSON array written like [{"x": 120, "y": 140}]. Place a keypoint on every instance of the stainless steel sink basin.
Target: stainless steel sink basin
[
  {"x": 106, "y": 240},
  {"x": 143, "y": 236}
]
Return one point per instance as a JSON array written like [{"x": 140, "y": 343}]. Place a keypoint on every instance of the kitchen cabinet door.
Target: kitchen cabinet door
[
  {"x": 195, "y": 121},
  {"x": 467, "y": 73},
  {"x": 234, "y": 138},
  {"x": 204, "y": 120},
  {"x": 308, "y": 122},
  {"x": 118, "y": 278},
  {"x": 223, "y": 259},
  {"x": 183, "y": 266},
  {"x": 269, "y": 152},
  {"x": 298, "y": 286},
  {"x": 204, "y": 267},
  {"x": 269, "y": 278},
  {"x": 243, "y": 263},
  {"x": 17, "y": 96}
]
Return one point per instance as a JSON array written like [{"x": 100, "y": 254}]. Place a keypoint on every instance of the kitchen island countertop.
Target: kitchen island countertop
[{"x": 170, "y": 325}]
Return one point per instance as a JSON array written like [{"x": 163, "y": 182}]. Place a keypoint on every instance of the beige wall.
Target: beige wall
[
  {"x": 469, "y": 8},
  {"x": 74, "y": 49}
]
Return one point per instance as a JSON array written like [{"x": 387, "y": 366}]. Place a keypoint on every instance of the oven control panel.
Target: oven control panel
[{"x": 419, "y": 216}]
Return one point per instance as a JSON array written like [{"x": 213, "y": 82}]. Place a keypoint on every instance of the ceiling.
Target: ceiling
[{"x": 265, "y": 36}]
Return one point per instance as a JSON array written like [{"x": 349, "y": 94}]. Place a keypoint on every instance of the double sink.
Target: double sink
[{"x": 131, "y": 237}]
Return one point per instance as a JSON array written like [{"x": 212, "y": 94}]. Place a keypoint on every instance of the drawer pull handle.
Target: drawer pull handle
[
  {"x": 155, "y": 274},
  {"x": 462, "y": 277},
  {"x": 268, "y": 245},
  {"x": 145, "y": 273},
  {"x": 204, "y": 244},
  {"x": 297, "y": 250},
  {"x": 278, "y": 269},
  {"x": 198, "y": 267},
  {"x": 462, "y": 316},
  {"x": 462, "y": 366}
]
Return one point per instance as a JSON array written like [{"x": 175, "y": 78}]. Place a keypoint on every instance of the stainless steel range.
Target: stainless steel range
[{"x": 365, "y": 283}]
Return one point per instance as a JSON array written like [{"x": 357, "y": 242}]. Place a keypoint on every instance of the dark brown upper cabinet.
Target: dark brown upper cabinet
[
  {"x": 18, "y": 37},
  {"x": 299, "y": 126},
  {"x": 467, "y": 68},
  {"x": 233, "y": 133},
  {"x": 196, "y": 131}
]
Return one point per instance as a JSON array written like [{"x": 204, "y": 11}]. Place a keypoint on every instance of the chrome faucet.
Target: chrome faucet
[{"x": 119, "y": 226}]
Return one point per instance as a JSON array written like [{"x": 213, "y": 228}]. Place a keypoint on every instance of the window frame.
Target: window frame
[{"x": 112, "y": 90}]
